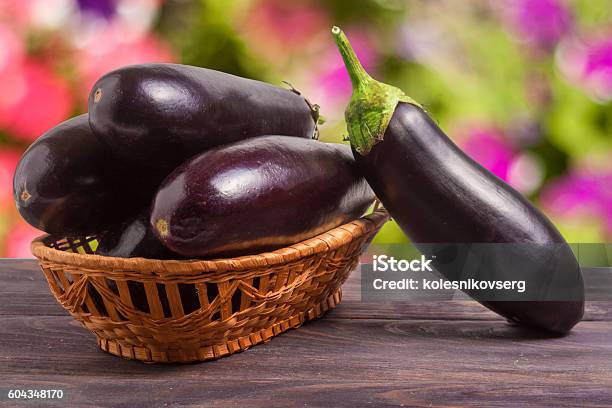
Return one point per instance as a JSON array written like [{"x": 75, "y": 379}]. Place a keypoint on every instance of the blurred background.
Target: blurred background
[{"x": 524, "y": 86}]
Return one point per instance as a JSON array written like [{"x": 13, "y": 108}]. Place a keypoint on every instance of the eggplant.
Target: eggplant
[
  {"x": 187, "y": 292},
  {"x": 159, "y": 115},
  {"x": 134, "y": 239},
  {"x": 256, "y": 195},
  {"x": 453, "y": 208},
  {"x": 68, "y": 183}
]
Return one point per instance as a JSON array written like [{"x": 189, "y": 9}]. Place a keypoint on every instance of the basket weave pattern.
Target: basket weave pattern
[{"x": 182, "y": 311}]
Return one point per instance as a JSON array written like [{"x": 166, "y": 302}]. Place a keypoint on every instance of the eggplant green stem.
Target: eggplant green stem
[
  {"x": 358, "y": 75},
  {"x": 372, "y": 104}
]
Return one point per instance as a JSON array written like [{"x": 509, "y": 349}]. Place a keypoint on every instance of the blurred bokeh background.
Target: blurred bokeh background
[{"x": 524, "y": 86}]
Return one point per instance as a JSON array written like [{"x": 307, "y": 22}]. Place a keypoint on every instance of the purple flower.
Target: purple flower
[
  {"x": 599, "y": 58},
  {"x": 101, "y": 8},
  {"x": 494, "y": 151},
  {"x": 588, "y": 63},
  {"x": 488, "y": 147},
  {"x": 581, "y": 193},
  {"x": 539, "y": 22}
]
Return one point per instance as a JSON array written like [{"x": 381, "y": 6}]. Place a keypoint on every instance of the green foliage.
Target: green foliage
[
  {"x": 380, "y": 13},
  {"x": 592, "y": 13},
  {"x": 209, "y": 39},
  {"x": 578, "y": 126},
  {"x": 390, "y": 233}
]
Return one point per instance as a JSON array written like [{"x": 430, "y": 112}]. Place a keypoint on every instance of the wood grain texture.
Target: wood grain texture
[
  {"x": 26, "y": 293},
  {"x": 361, "y": 354},
  {"x": 347, "y": 362}
]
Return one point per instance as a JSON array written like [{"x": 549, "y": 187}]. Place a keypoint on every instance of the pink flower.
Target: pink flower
[
  {"x": 16, "y": 13},
  {"x": 588, "y": 63},
  {"x": 8, "y": 162},
  {"x": 541, "y": 23},
  {"x": 581, "y": 192},
  {"x": 526, "y": 173},
  {"x": 11, "y": 49},
  {"x": 489, "y": 148},
  {"x": 11, "y": 59},
  {"x": 33, "y": 100},
  {"x": 43, "y": 14},
  {"x": 107, "y": 50},
  {"x": 277, "y": 28},
  {"x": 18, "y": 239}
]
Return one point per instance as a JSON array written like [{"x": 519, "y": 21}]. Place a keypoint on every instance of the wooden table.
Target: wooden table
[{"x": 448, "y": 353}]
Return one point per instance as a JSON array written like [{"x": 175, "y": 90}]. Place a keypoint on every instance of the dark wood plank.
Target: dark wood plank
[
  {"x": 443, "y": 310},
  {"x": 328, "y": 362},
  {"x": 362, "y": 354},
  {"x": 25, "y": 292}
]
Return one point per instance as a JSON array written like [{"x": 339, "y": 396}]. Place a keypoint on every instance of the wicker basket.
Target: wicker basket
[{"x": 183, "y": 311}]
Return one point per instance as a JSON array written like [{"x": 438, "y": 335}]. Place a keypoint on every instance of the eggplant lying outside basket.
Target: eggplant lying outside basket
[{"x": 184, "y": 311}]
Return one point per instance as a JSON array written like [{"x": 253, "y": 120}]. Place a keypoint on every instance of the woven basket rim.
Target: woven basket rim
[{"x": 327, "y": 241}]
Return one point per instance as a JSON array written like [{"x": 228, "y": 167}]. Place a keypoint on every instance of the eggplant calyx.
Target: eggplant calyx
[
  {"x": 25, "y": 195},
  {"x": 372, "y": 104},
  {"x": 162, "y": 227}
]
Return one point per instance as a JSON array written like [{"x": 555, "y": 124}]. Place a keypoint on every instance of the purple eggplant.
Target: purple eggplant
[
  {"x": 133, "y": 239},
  {"x": 68, "y": 183},
  {"x": 256, "y": 195},
  {"x": 438, "y": 195},
  {"x": 159, "y": 115}
]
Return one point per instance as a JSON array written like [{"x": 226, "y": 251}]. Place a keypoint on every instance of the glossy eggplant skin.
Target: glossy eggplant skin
[
  {"x": 68, "y": 183},
  {"x": 134, "y": 239},
  {"x": 437, "y": 194},
  {"x": 159, "y": 115},
  {"x": 256, "y": 195}
]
